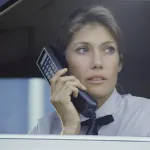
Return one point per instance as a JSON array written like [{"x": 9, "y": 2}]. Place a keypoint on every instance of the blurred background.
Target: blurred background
[{"x": 28, "y": 25}]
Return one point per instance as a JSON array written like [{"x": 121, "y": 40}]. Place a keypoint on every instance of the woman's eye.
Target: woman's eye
[
  {"x": 82, "y": 50},
  {"x": 110, "y": 49}
]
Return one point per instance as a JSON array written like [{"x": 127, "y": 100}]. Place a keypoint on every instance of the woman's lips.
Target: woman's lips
[{"x": 96, "y": 79}]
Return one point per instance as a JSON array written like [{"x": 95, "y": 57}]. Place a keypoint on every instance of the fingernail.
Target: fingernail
[
  {"x": 75, "y": 95},
  {"x": 65, "y": 69}
]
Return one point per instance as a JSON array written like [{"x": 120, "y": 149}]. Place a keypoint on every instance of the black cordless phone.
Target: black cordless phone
[{"x": 49, "y": 62}]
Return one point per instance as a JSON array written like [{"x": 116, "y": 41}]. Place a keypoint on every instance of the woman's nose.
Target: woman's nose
[{"x": 97, "y": 62}]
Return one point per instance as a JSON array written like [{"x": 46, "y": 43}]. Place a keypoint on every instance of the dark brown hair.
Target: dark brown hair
[{"x": 87, "y": 15}]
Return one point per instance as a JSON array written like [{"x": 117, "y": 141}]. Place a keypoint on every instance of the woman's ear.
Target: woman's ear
[
  {"x": 120, "y": 63},
  {"x": 119, "y": 68}
]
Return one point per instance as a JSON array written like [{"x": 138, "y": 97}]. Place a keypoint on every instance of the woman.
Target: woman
[{"x": 91, "y": 43}]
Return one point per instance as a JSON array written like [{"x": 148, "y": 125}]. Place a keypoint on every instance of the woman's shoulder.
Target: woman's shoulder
[
  {"x": 45, "y": 124},
  {"x": 134, "y": 113},
  {"x": 136, "y": 100}
]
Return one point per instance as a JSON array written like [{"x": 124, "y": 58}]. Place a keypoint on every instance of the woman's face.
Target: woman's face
[{"x": 93, "y": 58}]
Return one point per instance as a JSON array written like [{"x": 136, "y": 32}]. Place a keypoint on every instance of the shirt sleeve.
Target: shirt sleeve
[
  {"x": 43, "y": 126},
  {"x": 34, "y": 130},
  {"x": 148, "y": 135},
  {"x": 50, "y": 124}
]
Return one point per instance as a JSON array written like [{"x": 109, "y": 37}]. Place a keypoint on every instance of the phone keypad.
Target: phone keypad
[{"x": 48, "y": 67}]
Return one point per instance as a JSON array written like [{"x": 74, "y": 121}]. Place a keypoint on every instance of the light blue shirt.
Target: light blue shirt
[{"x": 131, "y": 118}]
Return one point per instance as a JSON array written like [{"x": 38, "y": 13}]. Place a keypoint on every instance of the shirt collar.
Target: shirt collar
[{"x": 108, "y": 108}]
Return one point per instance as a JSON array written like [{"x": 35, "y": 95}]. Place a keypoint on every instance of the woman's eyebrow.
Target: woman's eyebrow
[
  {"x": 81, "y": 43},
  {"x": 108, "y": 42},
  {"x": 102, "y": 44}
]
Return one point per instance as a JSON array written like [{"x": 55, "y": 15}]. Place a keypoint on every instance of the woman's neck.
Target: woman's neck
[{"x": 102, "y": 100}]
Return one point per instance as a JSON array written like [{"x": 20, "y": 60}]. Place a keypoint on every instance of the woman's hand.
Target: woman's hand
[{"x": 61, "y": 89}]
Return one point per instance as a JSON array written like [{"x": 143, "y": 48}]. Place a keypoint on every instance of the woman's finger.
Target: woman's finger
[{"x": 56, "y": 77}]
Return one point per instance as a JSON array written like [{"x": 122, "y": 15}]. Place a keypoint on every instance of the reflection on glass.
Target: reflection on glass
[{"x": 22, "y": 103}]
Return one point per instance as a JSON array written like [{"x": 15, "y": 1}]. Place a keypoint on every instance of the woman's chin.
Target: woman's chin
[{"x": 98, "y": 93}]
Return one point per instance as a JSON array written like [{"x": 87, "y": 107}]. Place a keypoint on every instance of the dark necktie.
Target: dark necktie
[{"x": 97, "y": 122}]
